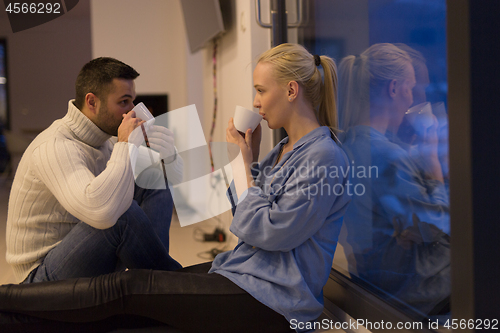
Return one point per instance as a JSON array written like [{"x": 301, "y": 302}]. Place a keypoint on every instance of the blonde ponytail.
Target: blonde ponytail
[
  {"x": 327, "y": 113},
  {"x": 363, "y": 77}
]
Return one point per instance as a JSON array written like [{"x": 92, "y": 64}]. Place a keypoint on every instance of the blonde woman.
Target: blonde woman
[
  {"x": 288, "y": 218},
  {"x": 397, "y": 226}
]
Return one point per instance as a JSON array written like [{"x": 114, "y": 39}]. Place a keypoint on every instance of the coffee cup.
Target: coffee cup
[
  {"x": 439, "y": 111},
  {"x": 142, "y": 112},
  {"x": 245, "y": 119},
  {"x": 420, "y": 117}
]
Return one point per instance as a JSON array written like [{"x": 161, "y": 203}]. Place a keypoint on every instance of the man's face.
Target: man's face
[{"x": 118, "y": 102}]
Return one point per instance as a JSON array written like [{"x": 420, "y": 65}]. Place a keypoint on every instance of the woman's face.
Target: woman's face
[
  {"x": 422, "y": 77},
  {"x": 271, "y": 98},
  {"x": 404, "y": 96}
]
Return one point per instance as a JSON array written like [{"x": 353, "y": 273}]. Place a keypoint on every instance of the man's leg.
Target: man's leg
[
  {"x": 158, "y": 206},
  {"x": 86, "y": 251}
]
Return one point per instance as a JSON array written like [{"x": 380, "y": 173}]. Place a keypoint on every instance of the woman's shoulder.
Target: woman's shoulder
[{"x": 322, "y": 148}]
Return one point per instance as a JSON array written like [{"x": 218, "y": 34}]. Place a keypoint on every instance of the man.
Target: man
[{"x": 74, "y": 210}]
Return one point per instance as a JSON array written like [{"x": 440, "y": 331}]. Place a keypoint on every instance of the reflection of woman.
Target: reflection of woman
[
  {"x": 287, "y": 223},
  {"x": 406, "y": 134},
  {"x": 397, "y": 228}
]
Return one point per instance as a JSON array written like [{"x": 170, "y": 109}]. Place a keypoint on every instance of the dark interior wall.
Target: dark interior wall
[
  {"x": 42, "y": 66},
  {"x": 485, "y": 69},
  {"x": 474, "y": 159}
]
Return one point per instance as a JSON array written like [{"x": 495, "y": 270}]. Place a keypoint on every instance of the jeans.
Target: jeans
[{"x": 139, "y": 240}]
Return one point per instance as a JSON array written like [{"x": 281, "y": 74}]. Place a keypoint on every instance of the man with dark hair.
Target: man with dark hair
[
  {"x": 96, "y": 75},
  {"x": 74, "y": 209}
]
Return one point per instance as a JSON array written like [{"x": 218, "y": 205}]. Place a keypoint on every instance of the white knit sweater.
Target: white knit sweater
[{"x": 71, "y": 172}]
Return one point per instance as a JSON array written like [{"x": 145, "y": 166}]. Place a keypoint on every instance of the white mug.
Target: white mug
[
  {"x": 245, "y": 119},
  {"x": 420, "y": 117},
  {"x": 142, "y": 112}
]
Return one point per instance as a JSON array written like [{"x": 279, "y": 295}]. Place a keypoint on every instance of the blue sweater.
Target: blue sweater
[{"x": 288, "y": 226}]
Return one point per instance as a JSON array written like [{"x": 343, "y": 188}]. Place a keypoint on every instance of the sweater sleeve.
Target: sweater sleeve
[
  {"x": 96, "y": 200},
  {"x": 402, "y": 192},
  {"x": 293, "y": 211}
]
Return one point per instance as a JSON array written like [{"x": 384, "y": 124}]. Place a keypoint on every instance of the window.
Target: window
[{"x": 392, "y": 64}]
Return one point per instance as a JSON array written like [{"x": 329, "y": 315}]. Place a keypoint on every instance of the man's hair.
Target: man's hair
[{"x": 97, "y": 75}]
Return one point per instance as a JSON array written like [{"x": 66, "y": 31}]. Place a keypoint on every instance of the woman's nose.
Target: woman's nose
[{"x": 256, "y": 103}]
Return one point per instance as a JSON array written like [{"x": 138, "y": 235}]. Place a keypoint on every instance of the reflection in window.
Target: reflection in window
[{"x": 391, "y": 56}]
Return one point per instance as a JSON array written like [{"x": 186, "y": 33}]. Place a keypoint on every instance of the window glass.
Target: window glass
[{"x": 391, "y": 58}]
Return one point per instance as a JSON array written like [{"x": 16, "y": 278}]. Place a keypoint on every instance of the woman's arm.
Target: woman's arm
[
  {"x": 299, "y": 206},
  {"x": 403, "y": 191},
  {"x": 249, "y": 154}
]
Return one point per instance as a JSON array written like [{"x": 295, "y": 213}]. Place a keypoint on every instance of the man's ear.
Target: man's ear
[
  {"x": 292, "y": 90},
  {"x": 92, "y": 102},
  {"x": 392, "y": 88}
]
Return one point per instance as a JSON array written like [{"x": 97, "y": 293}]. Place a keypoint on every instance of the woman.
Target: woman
[
  {"x": 397, "y": 226},
  {"x": 287, "y": 219}
]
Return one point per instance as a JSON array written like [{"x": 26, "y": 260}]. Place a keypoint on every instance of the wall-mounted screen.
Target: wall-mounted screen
[{"x": 203, "y": 20}]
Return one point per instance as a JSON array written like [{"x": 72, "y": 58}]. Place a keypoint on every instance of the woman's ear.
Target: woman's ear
[
  {"x": 292, "y": 90},
  {"x": 392, "y": 88}
]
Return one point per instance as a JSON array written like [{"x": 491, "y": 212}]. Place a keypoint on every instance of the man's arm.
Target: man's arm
[
  {"x": 69, "y": 173},
  {"x": 96, "y": 200}
]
